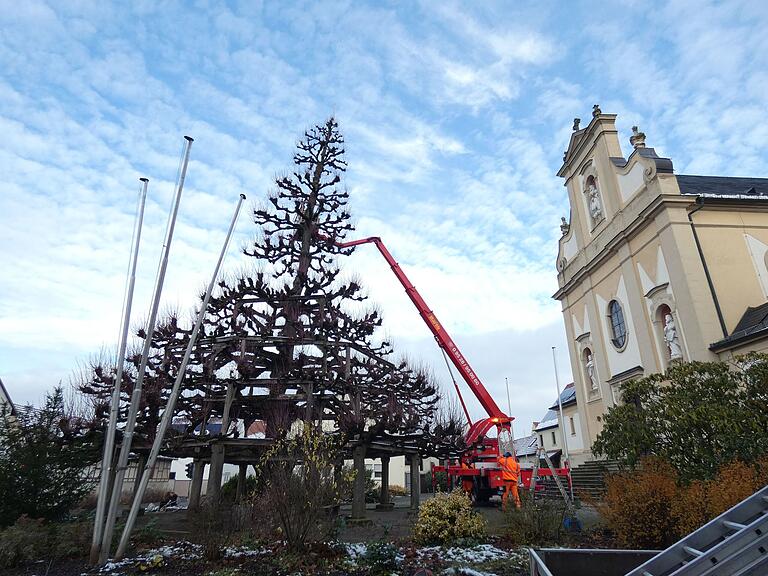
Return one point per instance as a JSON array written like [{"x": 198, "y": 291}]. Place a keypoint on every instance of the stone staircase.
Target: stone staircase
[{"x": 589, "y": 478}]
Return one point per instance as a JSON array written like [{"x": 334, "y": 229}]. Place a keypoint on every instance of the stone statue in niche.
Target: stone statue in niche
[
  {"x": 595, "y": 205},
  {"x": 590, "y": 367},
  {"x": 671, "y": 338}
]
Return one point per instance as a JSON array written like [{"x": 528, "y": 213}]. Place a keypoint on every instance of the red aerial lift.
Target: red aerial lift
[{"x": 481, "y": 451}]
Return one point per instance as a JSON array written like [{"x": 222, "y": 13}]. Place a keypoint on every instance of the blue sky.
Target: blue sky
[{"x": 455, "y": 116}]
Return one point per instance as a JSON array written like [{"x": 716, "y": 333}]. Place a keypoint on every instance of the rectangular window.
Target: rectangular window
[
  {"x": 554, "y": 439},
  {"x": 541, "y": 439},
  {"x": 573, "y": 426}
]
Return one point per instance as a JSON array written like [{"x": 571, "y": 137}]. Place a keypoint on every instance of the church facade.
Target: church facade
[{"x": 654, "y": 267}]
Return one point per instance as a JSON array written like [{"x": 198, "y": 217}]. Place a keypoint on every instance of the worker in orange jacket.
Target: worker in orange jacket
[{"x": 510, "y": 472}]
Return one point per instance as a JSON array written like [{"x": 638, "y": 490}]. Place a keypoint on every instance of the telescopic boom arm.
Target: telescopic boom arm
[{"x": 496, "y": 416}]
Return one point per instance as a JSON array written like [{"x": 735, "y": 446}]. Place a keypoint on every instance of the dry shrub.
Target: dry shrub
[
  {"x": 536, "y": 523},
  {"x": 215, "y": 526},
  {"x": 690, "y": 509},
  {"x": 638, "y": 505},
  {"x": 396, "y": 490},
  {"x": 732, "y": 484},
  {"x": 299, "y": 493},
  {"x": 33, "y": 540},
  {"x": 448, "y": 519},
  {"x": 646, "y": 508}
]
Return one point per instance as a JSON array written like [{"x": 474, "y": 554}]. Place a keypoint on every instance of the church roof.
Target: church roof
[
  {"x": 567, "y": 397},
  {"x": 723, "y": 186},
  {"x": 753, "y": 325}
]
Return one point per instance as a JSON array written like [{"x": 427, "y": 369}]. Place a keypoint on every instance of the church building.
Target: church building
[{"x": 653, "y": 266}]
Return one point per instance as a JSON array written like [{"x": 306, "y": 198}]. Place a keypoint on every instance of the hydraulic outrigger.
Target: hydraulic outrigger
[{"x": 481, "y": 451}]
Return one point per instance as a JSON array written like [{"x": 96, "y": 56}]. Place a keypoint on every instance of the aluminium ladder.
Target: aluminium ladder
[{"x": 733, "y": 544}]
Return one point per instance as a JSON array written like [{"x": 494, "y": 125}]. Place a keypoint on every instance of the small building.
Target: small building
[
  {"x": 550, "y": 435},
  {"x": 526, "y": 449},
  {"x": 5, "y": 398}
]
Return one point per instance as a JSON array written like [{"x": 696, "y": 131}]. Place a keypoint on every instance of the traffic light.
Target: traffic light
[{"x": 189, "y": 468}]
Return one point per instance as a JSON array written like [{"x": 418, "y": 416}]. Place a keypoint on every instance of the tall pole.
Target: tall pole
[
  {"x": 109, "y": 441},
  {"x": 168, "y": 413},
  {"x": 562, "y": 419},
  {"x": 509, "y": 413},
  {"x": 125, "y": 447}
]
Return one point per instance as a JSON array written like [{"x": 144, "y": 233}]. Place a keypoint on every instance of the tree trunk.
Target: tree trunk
[{"x": 358, "y": 494}]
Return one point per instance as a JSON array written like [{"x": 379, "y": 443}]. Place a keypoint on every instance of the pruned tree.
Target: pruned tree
[{"x": 289, "y": 338}]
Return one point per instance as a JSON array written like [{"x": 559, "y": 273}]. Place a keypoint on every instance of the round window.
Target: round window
[{"x": 618, "y": 326}]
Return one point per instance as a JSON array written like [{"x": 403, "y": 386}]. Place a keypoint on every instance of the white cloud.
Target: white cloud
[{"x": 455, "y": 119}]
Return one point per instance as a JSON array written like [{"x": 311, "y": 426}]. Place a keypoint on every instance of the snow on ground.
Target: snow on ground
[
  {"x": 181, "y": 551},
  {"x": 463, "y": 559},
  {"x": 356, "y": 551},
  {"x": 471, "y": 555},
  {"x": 244, "y": 551}
]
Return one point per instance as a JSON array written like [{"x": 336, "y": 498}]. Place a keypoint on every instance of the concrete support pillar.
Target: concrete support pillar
[
  {"x": 384, "y": 503},
  {"x": 242, "y": 473},
  {"x": 215, "y": 472},
  {"x": 415, "y": 481},
  {"x": 217, "y": 450},
  {"x": 196, "y": 486},
  {"x": 358, "y": 493}
]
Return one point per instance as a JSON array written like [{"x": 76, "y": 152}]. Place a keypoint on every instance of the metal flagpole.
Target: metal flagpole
[
  {"x": 168, "y": 413},
  {"x": 562, "y": 420},
  {"x": 509, "y": 413},
  {"x": 109, "y": 441},
  {"x": 125, "y": 447}
]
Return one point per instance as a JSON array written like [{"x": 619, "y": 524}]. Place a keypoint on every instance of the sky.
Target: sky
[{"x": 455, "y": 117}]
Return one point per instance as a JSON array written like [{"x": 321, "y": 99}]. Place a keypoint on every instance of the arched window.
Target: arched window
[{"x": 618, "y": 326}]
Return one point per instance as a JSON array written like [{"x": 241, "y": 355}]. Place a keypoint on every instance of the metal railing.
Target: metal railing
[{"x": 538, "y": 568}]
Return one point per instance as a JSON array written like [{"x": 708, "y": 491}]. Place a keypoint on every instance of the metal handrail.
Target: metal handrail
[{"x": 538, "y": 568}]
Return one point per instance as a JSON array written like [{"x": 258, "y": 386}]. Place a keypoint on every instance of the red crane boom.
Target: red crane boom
[{"x": 496, "y": 417}]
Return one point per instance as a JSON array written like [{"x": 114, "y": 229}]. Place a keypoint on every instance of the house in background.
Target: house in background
[
  {"x": 526, "y": 449},
  {"x": 557, "y": 441},
  {"x": 5, "y": 398},
  {"x": 653, "y": 267}
]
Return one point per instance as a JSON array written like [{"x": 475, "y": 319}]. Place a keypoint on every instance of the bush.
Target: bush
[
  {"x": 215, "y": 526},
  {"x": 300, "y": 492},
  {"x": 638, "y": 505},
  {"x": 448, "y": 519},
  {"x": 663, "y": 415},
  {"x": 32, "y": 540},
  {"x": 647, "y": 508},
  {"x": 395, "y": 490},
  {"x": 536, "y": 523},
  {"x": 229, "y": 488},
  {"x": 381, "y": 558}
]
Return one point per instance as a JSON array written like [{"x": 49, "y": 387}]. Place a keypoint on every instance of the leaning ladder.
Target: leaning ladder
[
  {"x": 541, "y": 452},
  {"x": 734, "y": 543}
]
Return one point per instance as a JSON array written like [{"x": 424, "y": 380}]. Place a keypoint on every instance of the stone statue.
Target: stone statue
[
  {"x": 564, "y": 226},
  {"x": 590, "y": 366},
  {"x": 671, "y": 338},
  {"x": 595, "y": 205}
]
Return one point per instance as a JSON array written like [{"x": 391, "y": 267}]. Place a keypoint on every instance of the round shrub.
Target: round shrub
[{"x": 448, "y": 519}]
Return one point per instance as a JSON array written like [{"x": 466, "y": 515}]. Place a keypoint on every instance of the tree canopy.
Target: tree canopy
[
  {"x": 290, "y": 336},
  {"x": 44, "y": 455},
  {"x": 698, "y": 416}
]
